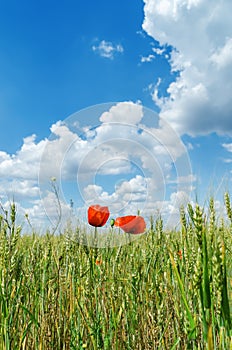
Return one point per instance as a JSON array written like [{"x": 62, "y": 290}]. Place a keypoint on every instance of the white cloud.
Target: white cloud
[
  {"x": 47, "y": 213},
  {"x": 148, "y": 58},
  {"x": 177, "y": 199},
  {"x": 25, "y": 163},
  {"x": 222, "y": 56},
  {"x": 18, "y": 189},
  {"x": 158, "y": 51},
  {"x": 107, "y": 49},
  {"x": 19, "y": 172},
  {"x": 52, "y": 158},
  {"x": 129, "y": 195},
  {"x": 227, "y": 146},
  {"x": 133, "y": 162},
  {"x": 123, "y": 112},
  {"x": 121, "y": 145},
  {"x": 200, "y": 32},
  {"x": 185, "y": 179}
]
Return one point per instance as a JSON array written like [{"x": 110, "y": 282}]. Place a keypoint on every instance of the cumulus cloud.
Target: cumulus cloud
[
  {"x": 123, "y": 112},
  {"x": 19, "y": 173},
  {"x": 25, "y": 163},
  {"x": 107, "y": 49},
  {"x": 18, "y": 189},
  {"x": 46, "y": 214},
  {"x": 198, "y": 101},
  {"x": 121, "y": 161},
  {"x": 127, "y": 196}
]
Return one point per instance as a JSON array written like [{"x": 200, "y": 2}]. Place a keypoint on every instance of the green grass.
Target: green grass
[{"x": 167, "y": 290}]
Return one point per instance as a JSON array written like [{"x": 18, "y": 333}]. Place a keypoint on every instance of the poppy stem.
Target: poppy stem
[
  {"x": 95, "y": 241},
  {"x": 129, "y": 237},
  {"x": 95, "y": 237}
]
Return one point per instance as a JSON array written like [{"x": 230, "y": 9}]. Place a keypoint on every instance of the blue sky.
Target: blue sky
[
  {"x": 58, "y": 58},
  {"x": 49, "y": 70}
]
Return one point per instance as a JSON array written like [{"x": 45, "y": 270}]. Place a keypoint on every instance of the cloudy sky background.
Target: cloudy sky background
[{"x": 166, "y": 65}]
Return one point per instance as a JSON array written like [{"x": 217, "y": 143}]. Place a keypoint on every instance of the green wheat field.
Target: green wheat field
[{"x": 166, "y": 290}]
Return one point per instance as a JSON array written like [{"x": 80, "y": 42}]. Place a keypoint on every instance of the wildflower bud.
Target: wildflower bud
[{"x": 112, "y": 221}]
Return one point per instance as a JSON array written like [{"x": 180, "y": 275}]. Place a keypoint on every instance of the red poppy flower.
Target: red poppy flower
[
  {"x": 131, "y": 224},
  {"x": 97, "y": 215}
]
